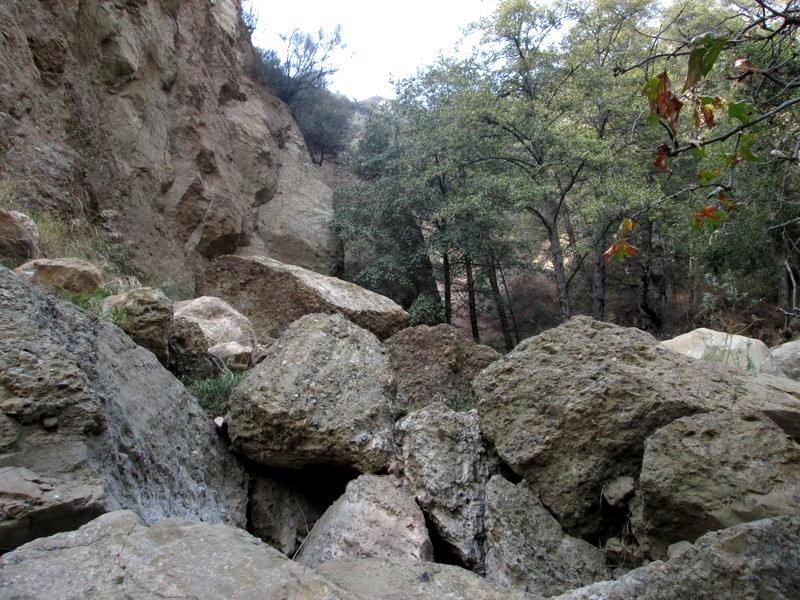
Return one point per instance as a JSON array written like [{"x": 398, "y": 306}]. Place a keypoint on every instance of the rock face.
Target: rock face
[
  {"x": 753, "y": 560},
  {"x": 281, "y": 513},
  {"x": 748, "y": 354},
  {"x": 446, "y": 466},
  {"x": 526, "y": 548},
  {"x": 712, "y": 471},
  {"x": 188, "y": 351},
  {"x": 145, "y": 314},
  {"x": 570, "y": 435},
  {"x": 324, "y": 394},
  {"x": 788, "y": 356},
  {"x": 56, "y": 275},
  {"x": 273, "y": 295},
  {"x": 218, "y": 320},
  {"x": 18, "y": 240},
  {"x": 117, "y": 556},
  {"x": 140, "y": 116},
  {"x": 372, "y": 519},
  {"x": 437, "y": 364},
  {"x": 87, "y": 414},
  {"x": 233, "y": 355},
  {"x": 403, "y": 579}
]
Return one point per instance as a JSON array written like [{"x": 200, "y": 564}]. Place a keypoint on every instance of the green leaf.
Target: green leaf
[
  {"x": 707, "y": 177},
  {"x": 699, "y": 151},
  {"x": 740, "y": 111},
  {"x": 706, "y": 52}
]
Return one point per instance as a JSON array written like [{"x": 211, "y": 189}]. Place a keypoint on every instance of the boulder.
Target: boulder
[
  {"x": 744, "y": 353},
  {"x": 281, "y": 512},
  {"x": 374, "y": 518},
  {"x": 526, "y": 549},
  {"x": 437, "y": 364},
  {"x": 188, "y": 351},
  {"x": 570, "y": 409},
  {"x": 19, "y": 239},
  {"x": 96, "y": 423},
  {"x": 145, "y": 314},
  {"x": 446, "y": 465},
  {"x": 755, "y": 560},
  {"x": 273, "y": 295},
  {"x": 58, "y": 275},
  {"x": 233, "y": 355},
  {"x": 218, "y": 320},
  {"x": 118, "y": 556},
  {"x": 712, "y": 471},
  {"x": 403, "y": 579},
  {"x": 324, "y": 394},
  {"x": 788, "y": 356}
]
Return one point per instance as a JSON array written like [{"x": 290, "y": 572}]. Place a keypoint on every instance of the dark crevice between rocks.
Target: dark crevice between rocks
[{"x": 443, "y": 552}]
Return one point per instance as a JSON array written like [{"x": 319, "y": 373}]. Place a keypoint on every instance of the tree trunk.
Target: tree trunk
[
  {"x": 599, "y": 281},
  {"x": 559, "y": 273},
  {"x": 500, "y": 305},
  {"x": 510, "y": 305},
  {"x": 473, "y": 311},
  {"x": 448, "y": 301}
]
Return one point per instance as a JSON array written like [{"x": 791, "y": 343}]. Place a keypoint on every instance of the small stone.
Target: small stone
[{"x": 50, "y": 422}]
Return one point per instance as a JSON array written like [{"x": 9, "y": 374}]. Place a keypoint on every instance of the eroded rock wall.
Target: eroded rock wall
[{"x": 138, "y": 115}]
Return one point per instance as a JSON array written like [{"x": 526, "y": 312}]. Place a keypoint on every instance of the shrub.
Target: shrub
[
  {"x": 426, "y": 310},
  {"x": 213, "y": 393},
  {"x": 89, "y": 301}
]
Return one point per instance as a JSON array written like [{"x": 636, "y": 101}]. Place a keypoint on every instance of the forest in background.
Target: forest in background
[{"x": 619, "y": 158}]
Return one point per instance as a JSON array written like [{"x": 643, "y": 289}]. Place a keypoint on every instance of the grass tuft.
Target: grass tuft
[{"x": 213, "y": 394}]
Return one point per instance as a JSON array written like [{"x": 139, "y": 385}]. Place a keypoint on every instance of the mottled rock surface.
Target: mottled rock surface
[
  {"x": 324, "y": 394},
  {"x": 18, "y": 241},
  {"x": 526, "y": 549},
  {"x": 446, "y": 465},
  {"x": 437, "y": 364},
  {"x": 788, "y": 356},
  {"x": 218, "y": 320},
  {"x": 744, "y": 353},
  {"x": 753, "y": 561},
  {"x": 570, "y": 409},
  {"x": 117, "y": 556},
  {"x": 712, "y": 471},
  {"x": 233, "y": 355},
  {"x": 82, "y": 406},
  {"x": 188, "y": 351},
  {"x": 273, "y": 295},
  {"x": 145, "y": 314},
  {"x": 403, "y": 579},
  {"x": 57, "y": 275},
  {"x": 374, "y": 518}
]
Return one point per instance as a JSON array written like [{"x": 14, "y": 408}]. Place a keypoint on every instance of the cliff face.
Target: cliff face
[{"x": 138, "y": 115}]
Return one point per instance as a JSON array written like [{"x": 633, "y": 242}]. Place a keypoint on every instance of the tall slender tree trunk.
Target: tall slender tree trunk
[
  {"x": 448, "y": 300},
  {"x": 559, "y": 272},
  {"x": 599, "y": 281},
  {"x": 500, "y": 305},
  {"x": 473, "y": 310},
  {"x": 509, "y": 304}
]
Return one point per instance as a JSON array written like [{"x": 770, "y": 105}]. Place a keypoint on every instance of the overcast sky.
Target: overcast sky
[{"x": 383, "y": 38}]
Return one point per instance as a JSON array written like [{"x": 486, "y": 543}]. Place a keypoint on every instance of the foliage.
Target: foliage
[
  {"x": 212, "y": 394},
  {"x": 89, "y": 301},
  {"x": 426, "y": 310},
  {"x": 324, "y": 119}
]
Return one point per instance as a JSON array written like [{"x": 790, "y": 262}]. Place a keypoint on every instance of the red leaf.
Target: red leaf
[
  {"x": 708, "y": 115},
  {"x": 660, "y": 162}
]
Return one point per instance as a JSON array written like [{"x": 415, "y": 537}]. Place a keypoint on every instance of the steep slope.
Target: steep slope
[{"x": 138, "y": 115}]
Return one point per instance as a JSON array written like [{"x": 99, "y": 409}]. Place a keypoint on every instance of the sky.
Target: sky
[{"x": 383, "y": 38}]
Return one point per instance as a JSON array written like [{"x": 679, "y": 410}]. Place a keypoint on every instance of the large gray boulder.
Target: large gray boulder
[
  {"x": 754, "y": 561},
  {"x": 404, "y": 579},
  {"x": 738, "y": 351},
  {"x": 118, "y": 556},
  {"x": 374, "y": 518},
  {"x": 273, "y": 295},
  {"x": 19, "y": 240},
  {"x": 437, "y": 364},
  {"x": 85, "y": 411},
  {"x": 527, "y": 550},
  {"x": 446, "y": 465},
  {"x": 712, "y": 471},
  {"x": 145, "y": 314},
  {"x": 324, "y": 394},
  {"x": 570, "y": 409},
  {"x": 788, "y": 356}
]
